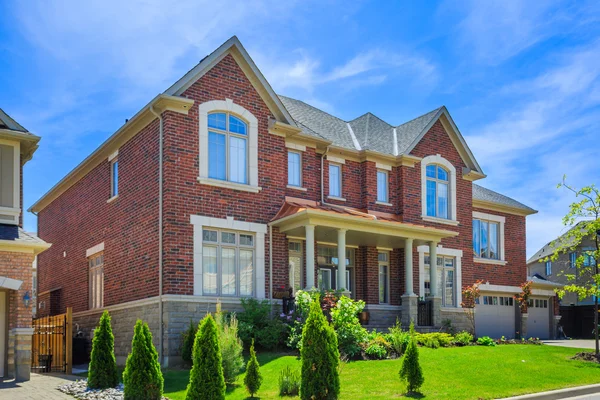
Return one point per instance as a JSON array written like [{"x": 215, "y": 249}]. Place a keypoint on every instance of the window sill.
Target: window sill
[
  {"x": 383, "y": 203},
  {"x": 300, "y": 188},
  {"x": 229, "y": 185},
  {"x": 112, "y": 199},
  {"x": 336, "y": 198},
  {"x": 479, "y": 260},
  {"x": 440, "y": 220}
]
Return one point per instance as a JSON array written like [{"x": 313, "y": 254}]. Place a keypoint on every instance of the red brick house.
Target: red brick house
[
  {"x": 220, "y": 189},
  {"x": 17, "y": 252}
]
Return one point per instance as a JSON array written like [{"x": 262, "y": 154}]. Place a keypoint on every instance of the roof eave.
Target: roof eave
[{"x": 489, "y": 205}]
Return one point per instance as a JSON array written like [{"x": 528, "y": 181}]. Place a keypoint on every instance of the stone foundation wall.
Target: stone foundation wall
[
  {"x": 458, "y": 319},
  {"x": 381, "y": 317}
]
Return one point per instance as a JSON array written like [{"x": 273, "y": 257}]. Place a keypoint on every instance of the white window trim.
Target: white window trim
[
  {"x": 387, "y": 186},
  {"x": 228, "y": 105},
  {"x": 501, "y": 222},
  {"x": 442, "y": 251},
  {"x": 15, "y": 210},
  {"x": 439, "y": 160},
  {"x": 329, "y": 196},
  {"x": 259, "y": 230},
  {"x": 300, "y": 186}
]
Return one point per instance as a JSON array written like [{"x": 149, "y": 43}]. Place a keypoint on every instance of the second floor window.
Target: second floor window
[
  {"x": 382, "y": 186},
  {"x": 294, "y": 169},
  {"x": 437, "y": 192},
  {"x": 486, "y": 239},
  {"x": 227, "y": 148},
  {"x": 548, "y": 268},
  {"x": 573, "y": 259},
  {"x": 588, "y": 257},
  {"x": 335, "y": 180},
  {"x": 114, "y": 177}
]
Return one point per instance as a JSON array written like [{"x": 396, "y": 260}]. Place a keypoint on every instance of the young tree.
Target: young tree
[
  {"x": 142, "y": 377},
  {"x": 253, "y": 378},
  {"x": 470, "y": 294},
  {"x": 584, "y": 218},
  {"x": 206, "y": 376},
  {"x": 411, "y": 371},
  {"x": 320, "y": 357},
  {"x": 103, "y": 365}
]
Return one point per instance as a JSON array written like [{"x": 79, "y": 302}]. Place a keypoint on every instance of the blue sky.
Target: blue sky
[{"x": 521, "y": 79}]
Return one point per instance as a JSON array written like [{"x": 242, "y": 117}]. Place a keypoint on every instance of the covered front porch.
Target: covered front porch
[{"x": 385, "y": 260}]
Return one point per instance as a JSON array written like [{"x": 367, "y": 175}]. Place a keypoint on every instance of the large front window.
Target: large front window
[
  {"x": 227, "y": 263},
  {"x": 328, "y": 262},
  {"x": 486, "y": 239},
  {"x": 446, "y": 279},
  {"x": 437, "y": 191},
  {"x": 227, "y": 148}
]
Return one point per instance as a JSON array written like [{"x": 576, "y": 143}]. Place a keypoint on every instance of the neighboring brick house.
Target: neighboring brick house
[
  {"x": 220, "y": 189},
  {"x": 17, "y": 252}
]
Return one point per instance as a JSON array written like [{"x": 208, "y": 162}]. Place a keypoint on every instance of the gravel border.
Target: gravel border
[{"x": 79, "y": 390}]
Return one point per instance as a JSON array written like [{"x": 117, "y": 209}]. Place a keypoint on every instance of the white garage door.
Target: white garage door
[
  {"x": 495, "y": 316},
  {"x": 538, "y": 321}
]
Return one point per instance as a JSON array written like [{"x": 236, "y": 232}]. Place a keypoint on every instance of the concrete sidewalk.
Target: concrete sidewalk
[
  {"x": 591, "y": 392},
  {"x": 40, "y": 387}
]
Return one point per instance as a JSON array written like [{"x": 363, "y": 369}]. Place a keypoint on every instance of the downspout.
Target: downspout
[
  {"x": 160, "y": 235},
  {"x": 271, "y": 267}
]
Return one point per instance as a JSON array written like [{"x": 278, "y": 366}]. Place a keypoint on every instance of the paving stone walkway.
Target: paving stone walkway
[{"x": 40, "y": 387}]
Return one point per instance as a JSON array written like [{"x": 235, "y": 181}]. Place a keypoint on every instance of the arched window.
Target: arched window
[
  {"x": 438, "y": 186},
  {"x": 227, "y": 147}
]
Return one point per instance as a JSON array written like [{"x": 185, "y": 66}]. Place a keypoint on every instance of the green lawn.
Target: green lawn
[{"x": 450, "y": 373}]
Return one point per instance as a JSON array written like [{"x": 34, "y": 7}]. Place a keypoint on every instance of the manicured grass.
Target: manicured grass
[{"x": 450, "y": 373}]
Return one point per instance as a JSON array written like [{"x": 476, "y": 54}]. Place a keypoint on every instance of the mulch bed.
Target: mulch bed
[{"x": 586, "y": 356}]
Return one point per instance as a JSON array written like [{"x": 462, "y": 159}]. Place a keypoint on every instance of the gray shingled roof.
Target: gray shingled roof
[
  {"x": 372, "y": 133},
  {"x": 549, "y": 247},
  {"x": 409, "y": 131},
  {"x": 17, "y": 234},
  {"x": 6, "y": 122},
  {"x": 483, "y": 194}
]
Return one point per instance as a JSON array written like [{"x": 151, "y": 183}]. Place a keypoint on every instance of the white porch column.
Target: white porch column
[
  {"x": 408, "y": 266},
  {"x": 310, "y": 256},
  {"x": 341, "y": 247},
  {"x": 433, "y": 278}
]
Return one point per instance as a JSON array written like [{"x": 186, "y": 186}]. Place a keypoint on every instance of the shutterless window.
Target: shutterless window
[
  {"x": 294, "y": 169},
  {"x": 588, "y": 257},
  {"x": 573, "y": 259},
  {"x": 114, "y": 177},
  {"x": 437, "y": 192},
  {"x": 384, "y": 277},
  {"x": 548, "y": 267},
  {"x": 382, "y": 186},
  {"x": 227, "y": 263},
  {"x": 335, "y": 180},
  {"x": 486, "y": 239},
  {"x": 96, "y": 280},
  {"x": 227, "y": 148}
]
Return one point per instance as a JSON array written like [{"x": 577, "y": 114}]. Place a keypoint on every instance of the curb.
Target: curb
[{"x": 559, "y": 394}]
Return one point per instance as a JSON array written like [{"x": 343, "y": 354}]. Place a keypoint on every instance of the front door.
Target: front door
[{"x": 2, "y": 332}]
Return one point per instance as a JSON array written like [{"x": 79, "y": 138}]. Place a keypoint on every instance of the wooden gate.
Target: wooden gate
[{"x": 51, "y": 343}]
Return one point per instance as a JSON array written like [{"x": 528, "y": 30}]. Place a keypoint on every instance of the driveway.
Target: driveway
[
  {"x": 40, "y": 387},
  {"x": 575, "y": 343}
]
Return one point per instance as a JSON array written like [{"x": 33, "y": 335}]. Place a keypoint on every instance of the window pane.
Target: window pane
[
  {"x": 484, "y": 240},
  {"x": 236, "y": 125},
  {"x": 228, "y": 237},
  {"x": 247, "y": 240},
  {"x": 383, "y": 256},
  {"x": 293, "y": 169},
  {"x": 442, "y": 200},
  {"x": 431, "y": 194},
  {"x": 237, "y": 159},
  {"x": 209, "y": 236},
  {"x": 383, "y": 284},
  {"x": 449, "y": 288},
  {"x": 209, "y": 270},
  {"x": 216, "y": 156},
  {"x": 476, "y": 237},
  {"x": 382, "y": 186},
  {"x": 228, "y": 272},
  {"x": 246, "y": 273},
  {"x": 334, "y": 180},
  {"x": 430, "y": 171},
  {"x": 325, "y": 278},
  {"x": 217, "y": 120},
  {"x": 442, "y": 174},
  {"x": 294, "y": 246},
  {"x": 115, "y": 178},
  {"x": 494, "y": 241}
]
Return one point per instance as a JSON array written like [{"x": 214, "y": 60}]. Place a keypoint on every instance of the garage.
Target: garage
[
  {"x": 495, "y": 316},
  {"x": 538, "y": 320}
]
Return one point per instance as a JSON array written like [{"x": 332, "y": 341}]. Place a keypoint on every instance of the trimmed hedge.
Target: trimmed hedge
[
  {"x": 103, "y": 365},
  {"x": 142, "y": 377}
]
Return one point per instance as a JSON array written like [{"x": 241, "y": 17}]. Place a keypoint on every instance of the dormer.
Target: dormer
[{"x": 16, "y": 148}]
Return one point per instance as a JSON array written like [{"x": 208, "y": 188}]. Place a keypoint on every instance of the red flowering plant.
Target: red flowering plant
[
  {"x": 523, "y": 297},
  {"x": 470, "y": 295}
]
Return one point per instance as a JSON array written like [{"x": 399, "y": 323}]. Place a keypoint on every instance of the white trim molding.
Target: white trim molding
[
  {"x": 200, "y": 222},
  {"x": 113, "y": 155},
  {"x": 228, "y": 105},
  {"x": 13, "y": 211},
  {"x": 439, "y": 160},
  {"x": 501, "y": 222},
  {"x": 93, "y": 250},
  {"x": 442, "y": 251},
  {"x": 335, "y": 159}
]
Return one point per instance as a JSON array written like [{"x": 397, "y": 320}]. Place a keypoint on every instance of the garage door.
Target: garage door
[
  {"x": 495, "y": 316},
  {"x": 538, "y": 321}
]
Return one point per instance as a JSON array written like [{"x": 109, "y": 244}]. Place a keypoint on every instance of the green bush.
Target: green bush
[
  {"x": 320, "y": 358},
  {"x": 398, "y": 339},
  {"x": 231, "y": 347},
  {"x": 434, "y": 339},
  {"x": 206, "y": 376},
  {"x": 103, "y": 366},
  {"x": 255, "y": 323},
  {"x": 187, "y": 345},
  {"x": 253, "y": 378},
  {"x": 142, "y": 378},
  {"x": 350, "y": 333},
  {"x": 463, "y": 338},
  {"x": 486, "y": 341},
  {"x": 289, "y": 382},
  {"x": 411, "y": 372}
]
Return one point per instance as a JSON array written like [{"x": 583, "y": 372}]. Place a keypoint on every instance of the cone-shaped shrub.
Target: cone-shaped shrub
[
  {"x": 103, "y": 366},
  {"x": 206, "y": 376},
  {"x": 142, "y": 377},
  {"x": 320, "y": 357},
  {"x": 411, "y": 372},
  {"x": 253, "y": 378}
]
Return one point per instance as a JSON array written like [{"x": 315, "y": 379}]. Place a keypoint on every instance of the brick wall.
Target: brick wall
[{"x": 17, "y": 266}]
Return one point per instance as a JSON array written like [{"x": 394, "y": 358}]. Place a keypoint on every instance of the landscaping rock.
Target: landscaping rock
[{"x": 79, "y": 390}]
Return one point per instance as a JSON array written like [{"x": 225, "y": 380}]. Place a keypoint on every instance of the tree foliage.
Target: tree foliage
[
  {"x": 253, "y": 378},
  {"x": 470, "y": 294},
  {"x": 411, "y": 372},
  {"x": 142, "y": 378},
  {"x": 103, "y": 365}
]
